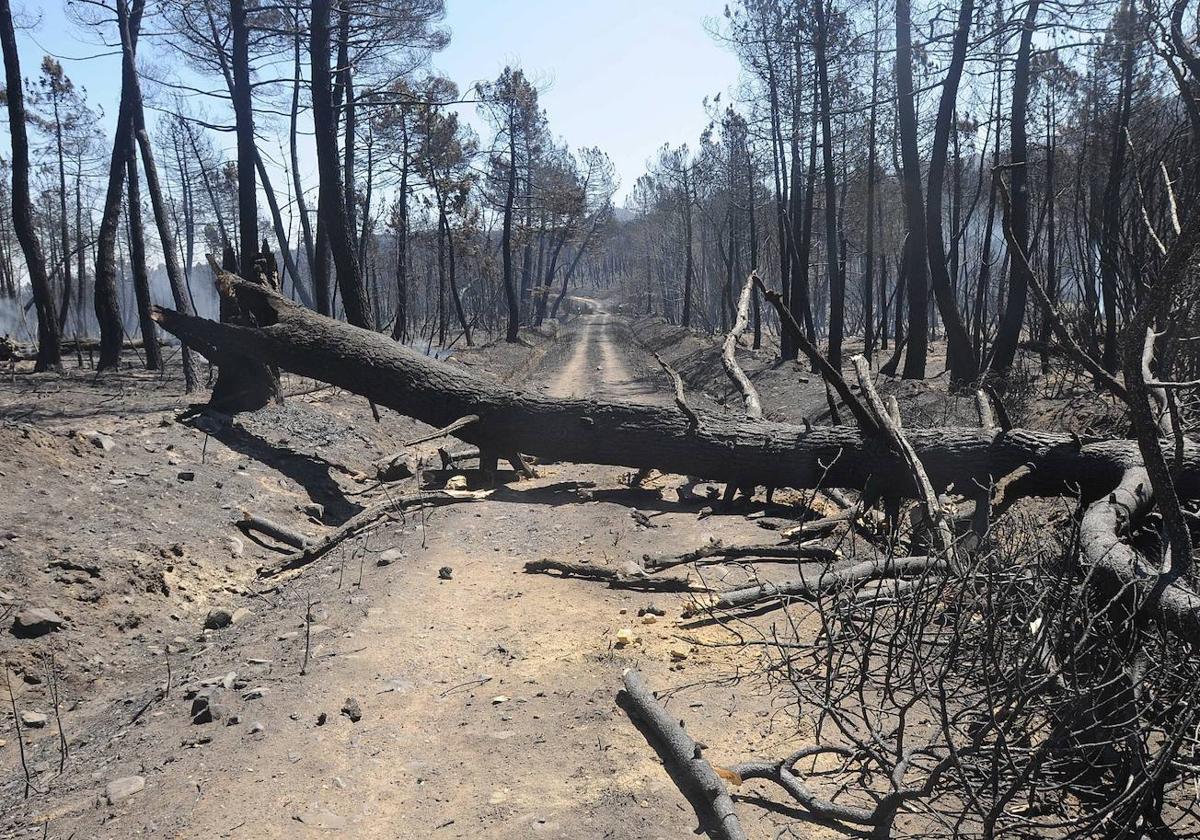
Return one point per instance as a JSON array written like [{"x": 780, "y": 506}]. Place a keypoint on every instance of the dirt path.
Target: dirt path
[
  {"x": 487, "y": 699},
  {"x": 596, "y": 366}
]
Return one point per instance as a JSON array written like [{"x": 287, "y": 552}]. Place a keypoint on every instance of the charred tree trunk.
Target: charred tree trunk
[
  {"x": 49, "y": 355},
  {"x": 108, "y": 306},
  {"x": 964, "y": 367},
  {"x": 916, "y": 260},
  {"x": 331, "y": 204},
  {"x": 137, "y": 258},
  {"x": 1008, "y": 335}
]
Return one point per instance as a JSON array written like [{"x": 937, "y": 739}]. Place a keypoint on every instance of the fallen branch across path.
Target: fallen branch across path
[
  {"x": 363, "y": 521},
  {"x": 681, "y": 756},
  {"x": 717, "y": 552},
  {"x": 811, "y": 585},
  {"x": 719, "y": 447},
  {"x": 615, "y": 578}
]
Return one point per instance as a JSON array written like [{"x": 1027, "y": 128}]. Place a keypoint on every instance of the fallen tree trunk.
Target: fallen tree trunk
[
  {"x": 742, "y": 452},
  {"x": 718, "y": 447}
]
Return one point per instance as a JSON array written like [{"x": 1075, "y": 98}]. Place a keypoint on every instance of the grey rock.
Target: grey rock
[
  {"x": 389, "y": 556},
  {"x": 352, "y": 710},
  {"x": 32, "y": 622},
  {"x": 445, "y": 573},
  {"x": 34, "y": 720},
  {"x": 206, "y": 706},
  {"x": 100, "y": 440},
  {"x": 316, "y": 511},
  {"x": 255, "y": 693},
  {"x": 218, "y": 619},
  {"x": 123, "y": 788},
  {"x": 257, "y": 728}
]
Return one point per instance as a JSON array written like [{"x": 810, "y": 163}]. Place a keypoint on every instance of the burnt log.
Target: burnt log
[{"x": 742, "y": 452}]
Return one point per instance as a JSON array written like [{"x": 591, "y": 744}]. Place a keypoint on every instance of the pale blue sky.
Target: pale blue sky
[{"x": 624, "y": 75}]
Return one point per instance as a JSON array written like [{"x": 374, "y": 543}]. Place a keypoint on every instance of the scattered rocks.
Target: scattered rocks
[
  {"x": 123, "y": 788},
  {"x": 651, "y": 609},
  {"x": 218, "y": 619},
  {"x": 206, "y": 706},
  {"x": 32, "y": 622},
  {"x": 34, "y": 720},
  {"x": 445, "y": 573},
  {"x": 352, "y": 710}
]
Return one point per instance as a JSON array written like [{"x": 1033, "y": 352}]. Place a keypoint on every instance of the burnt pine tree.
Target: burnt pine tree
[
  {"x": 108, "y": 306},
  {"x": 49, "y": 350}
]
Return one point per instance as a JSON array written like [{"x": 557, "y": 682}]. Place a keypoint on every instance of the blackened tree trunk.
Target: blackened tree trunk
[
  {"x": 319, "y": 277},
  {"x": 916, "y": 261},
  {"x": 49, "y": 355},
  {"x": 510, "y": 292},
  {"x": 64, "y": 228},
  {"x": 1110, "y": 230},
  {"x": 1008, "y": 336},
  {"x": 689, "y": 271},
  {"x": 243, "y": 111},
  {"x": 332, "y": 207},
  {"x": 108, "y": 306},
  {"x": 137, "y": 258},
  {"x": 400, "y": 327},
  {"x": 964, "y": 367},
  {"x": 837, "y": 280},
  {"x": 868, "y": 280},
  {"x": 162, "y": 221}
]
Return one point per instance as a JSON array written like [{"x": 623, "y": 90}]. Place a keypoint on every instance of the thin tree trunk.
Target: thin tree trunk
[
  {"x": 137, "y": 258},
  {"x": 915, "y": 244}
]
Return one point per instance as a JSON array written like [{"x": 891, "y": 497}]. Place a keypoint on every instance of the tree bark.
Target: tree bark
[
  {"x": 137, "y": 258},
  {"x": 331, "y": 204},
  {"x": 49, "y": 337},
  {"x": 108, "y": 306},
  {"x": 1008, "y": 335},
  {"x": 964, "y": 367},
  {"x": 916, "y": 258}
]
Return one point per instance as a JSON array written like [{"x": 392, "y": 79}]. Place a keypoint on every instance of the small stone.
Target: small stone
[
  {"x": 186, "y": 475},
  {"x": 680, "y": 652},
  {"x": 206, "y": 708},
  {"x": 123, "y": 788},
  {"x": 321, "y": 718},
  {"x": 352, "y": 710},
  {"x": 651, "y": 609},
  {"x": 257, "y": 728},
  {"x": 498, "y": 699},
  {"x": 389, "y": 556},
  {"x": 240, "y": 615},
  {"x": 100, "y": 440},
  {"x": 456, "y": 482},
  {"x": 625, "y": 636},
  {"x": 236, "y": 547},
  {"x": 32, "y": 622},
  {"x": 34, "y": 720},
  {"x": 445, "y": 573},
  {"x": 218, "y": 619},
  {"x": 649, "y": 618},
  {"x": 255, "y": 693},
  {"x": 316, "y": 511}
]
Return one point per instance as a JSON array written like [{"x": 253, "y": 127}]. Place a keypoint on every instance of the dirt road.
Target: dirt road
[{"x": 487, "y": 699}]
